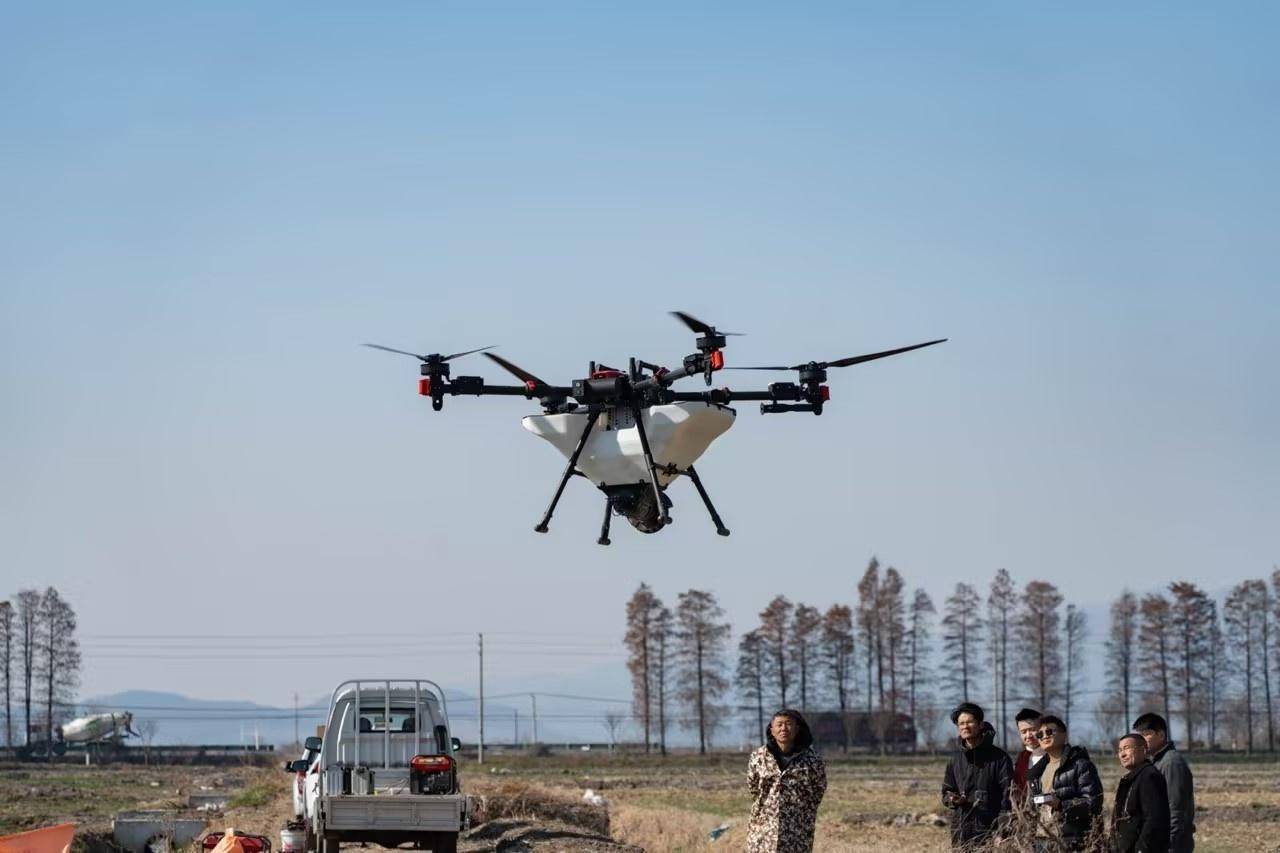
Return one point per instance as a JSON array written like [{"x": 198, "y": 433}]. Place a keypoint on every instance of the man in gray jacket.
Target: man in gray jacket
[{"x": 1177, "y": 776}]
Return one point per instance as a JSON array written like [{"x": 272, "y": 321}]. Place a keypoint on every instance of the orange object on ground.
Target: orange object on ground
[
  {"x": 230, "y": 843},
  {"x": 51, "y": 839}
]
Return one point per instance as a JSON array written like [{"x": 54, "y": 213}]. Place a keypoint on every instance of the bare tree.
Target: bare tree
[
  {"x": 1076, "y": 629},
  {"x": 1040, "y": 642},
  {"x": 1122, "y": 650},
  {"x": 775, "y": 626},
  {"x": 962, "y": 634},
  {"x": 1189, "y": 620},
  {"x": 57, "y": 658},
  {"x": 28, "y": 626},
  {"x": 894, "y": 630},
  {"x": 804, "y": 640},
  {"x": 642, "y": 610},
  {"x": 1242, "y": 612},
  {"x": 700, "y": 637},
  {"x": 837, "y": 652},
  {"x": 147, "y": 729},
  {"x": 1215, "y": 672},
  {"x": 662, "y": 635},
  {"x": 7, "y": 629},
  {"x": 749, "y": 675},
  {"x": 869, "y": 625},
  {"x": 1155, "y": 655},
  {"x": 917, "y": 664},
  {"x": 1270, "y": 619},
  {"x": 1001, "y": 602},
  {"x": 613, "y": 720},
  {"x": 1110, "y": 716}
]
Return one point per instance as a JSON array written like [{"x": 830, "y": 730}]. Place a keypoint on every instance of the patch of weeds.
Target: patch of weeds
[{"x": 254, "y": 797}]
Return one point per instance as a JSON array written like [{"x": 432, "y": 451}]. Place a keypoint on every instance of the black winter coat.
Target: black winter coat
[
  {"x": 1140, "y": 819},
  {"x": 983, "y": 774},
  {"x": 1079, "y": 792}
]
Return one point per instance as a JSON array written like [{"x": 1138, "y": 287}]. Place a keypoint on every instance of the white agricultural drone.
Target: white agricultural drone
[{"x": 615, "y": 426}]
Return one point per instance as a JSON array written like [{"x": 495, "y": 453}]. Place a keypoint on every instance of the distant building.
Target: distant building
[{"x": 860, "y": 730}]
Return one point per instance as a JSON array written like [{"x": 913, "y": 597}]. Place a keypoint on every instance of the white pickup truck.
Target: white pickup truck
[{"x": 386, "y": 772}]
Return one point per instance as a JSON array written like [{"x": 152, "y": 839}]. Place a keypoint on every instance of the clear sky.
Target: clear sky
[{"x": 208, "y": 208}]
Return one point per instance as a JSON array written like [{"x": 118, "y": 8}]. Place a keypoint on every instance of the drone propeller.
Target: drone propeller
[
  {"x": 844, "y": 362},
  {"x": 516, "y": 370},
  {"x": 434, "y": 357},
  {"x": 696, "y": 325}
]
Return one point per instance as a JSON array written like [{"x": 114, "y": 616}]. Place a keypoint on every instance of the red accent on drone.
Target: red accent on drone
[
  {"x": 531, "y": 385},
  {"x": 424, "y": 386},
  {"x": 717, "y": 360},
  {"x": 606, "y": 374},
  {"x": 825, "y": 391}
]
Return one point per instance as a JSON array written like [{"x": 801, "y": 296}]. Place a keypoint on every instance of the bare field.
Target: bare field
[{"x": 872, "y": 804}]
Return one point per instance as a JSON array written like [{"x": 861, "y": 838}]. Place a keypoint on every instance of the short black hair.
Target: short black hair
[
  {"x": 1132, "y": 736},
  {"x": 1050, "y": 719},
  {"x": 1151, "y": 723},
  {"x": 967, "y": 708},
  {"x": 1027, "y": 715}
]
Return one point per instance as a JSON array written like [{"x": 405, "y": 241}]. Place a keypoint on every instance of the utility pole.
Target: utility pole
[
  {"x": 480, "y": 759},
  {"x": 533, "y": 697},
  {"x": 295, "y": 718}
]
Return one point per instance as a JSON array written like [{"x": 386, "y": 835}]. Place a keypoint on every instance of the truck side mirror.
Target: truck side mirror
[
  {"x": 457, "y": 745},
  {"x": 313, "y": 744},
  {"x": 298, "y": 765}
]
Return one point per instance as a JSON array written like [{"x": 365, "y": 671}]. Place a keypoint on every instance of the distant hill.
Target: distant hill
[{"x": 182, "y": 720}]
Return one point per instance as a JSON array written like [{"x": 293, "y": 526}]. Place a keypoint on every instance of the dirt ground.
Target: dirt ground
[{"x": 673, "y": 804}]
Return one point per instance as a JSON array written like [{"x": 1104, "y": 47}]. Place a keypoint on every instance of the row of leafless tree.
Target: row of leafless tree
[
  {"x": 1165, "y": 651},
  {"x": 39, "y": 660},
  {"x": 1169, "y": 651}
]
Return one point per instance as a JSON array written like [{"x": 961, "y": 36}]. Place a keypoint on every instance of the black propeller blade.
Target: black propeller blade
[
  {"x": 696, "y": 325},
  {"x": 433, "y": 357},
  {"x": 845, "y": 362},
  {"x": 515, "y": 370}
]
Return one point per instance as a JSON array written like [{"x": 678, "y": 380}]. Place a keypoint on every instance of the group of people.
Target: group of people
[
  {"x": 1053, "y": 793},
  {"x": 1049, "y": 799}
]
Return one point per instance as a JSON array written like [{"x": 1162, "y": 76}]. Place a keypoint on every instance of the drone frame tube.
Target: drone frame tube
[
  {"x": 570, "y": 469},
  {"x": 652, "y": 466}
]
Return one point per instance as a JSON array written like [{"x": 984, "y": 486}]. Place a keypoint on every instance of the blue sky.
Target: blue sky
[{"x": 208, "y": 209}]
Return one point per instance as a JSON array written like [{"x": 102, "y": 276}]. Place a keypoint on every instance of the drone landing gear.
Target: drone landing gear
[
  {"x": 664, "y": 517},
  {"x": 706, "y": 499},
  {"x": 570, "y": 469},
  {"x": 604, "y": 526}
]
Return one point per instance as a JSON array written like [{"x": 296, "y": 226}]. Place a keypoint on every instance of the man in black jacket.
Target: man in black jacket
[
  {"x": 1065, "y": 789},
  {"x": 1177, "y": 778},
  {"x": 976, "y": 784},
  {"x": 1140, "y": 818}
]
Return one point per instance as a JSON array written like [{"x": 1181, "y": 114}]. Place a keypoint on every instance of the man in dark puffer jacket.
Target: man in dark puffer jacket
[
  {"x": 976, "y": 784},
  {"x": 1140, "y": 818},
  {"x": 1072, "y": 796}
]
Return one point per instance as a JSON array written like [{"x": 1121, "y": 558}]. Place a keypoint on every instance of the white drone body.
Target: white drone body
[{"x": 678, "y": 434}]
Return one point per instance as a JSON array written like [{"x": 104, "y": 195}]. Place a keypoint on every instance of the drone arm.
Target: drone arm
[{"x": 724, "y": 396}]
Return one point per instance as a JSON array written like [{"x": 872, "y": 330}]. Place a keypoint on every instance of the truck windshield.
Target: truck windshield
[{"x": 376, "y": 720}]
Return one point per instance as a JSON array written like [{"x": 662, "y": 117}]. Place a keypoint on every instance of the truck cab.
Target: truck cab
[{"x": 386, "y": 770}]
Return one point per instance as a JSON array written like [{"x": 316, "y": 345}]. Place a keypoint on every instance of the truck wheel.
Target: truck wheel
[
  {"x": 445, "y": 842},
  {"x": 328, "y": 844}
]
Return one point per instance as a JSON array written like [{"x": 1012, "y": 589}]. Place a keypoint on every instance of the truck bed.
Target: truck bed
[{"x": 413, "y": 812}]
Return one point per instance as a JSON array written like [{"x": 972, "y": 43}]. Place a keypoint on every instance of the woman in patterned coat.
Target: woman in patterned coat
[{"x": 787, "y": 780}]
